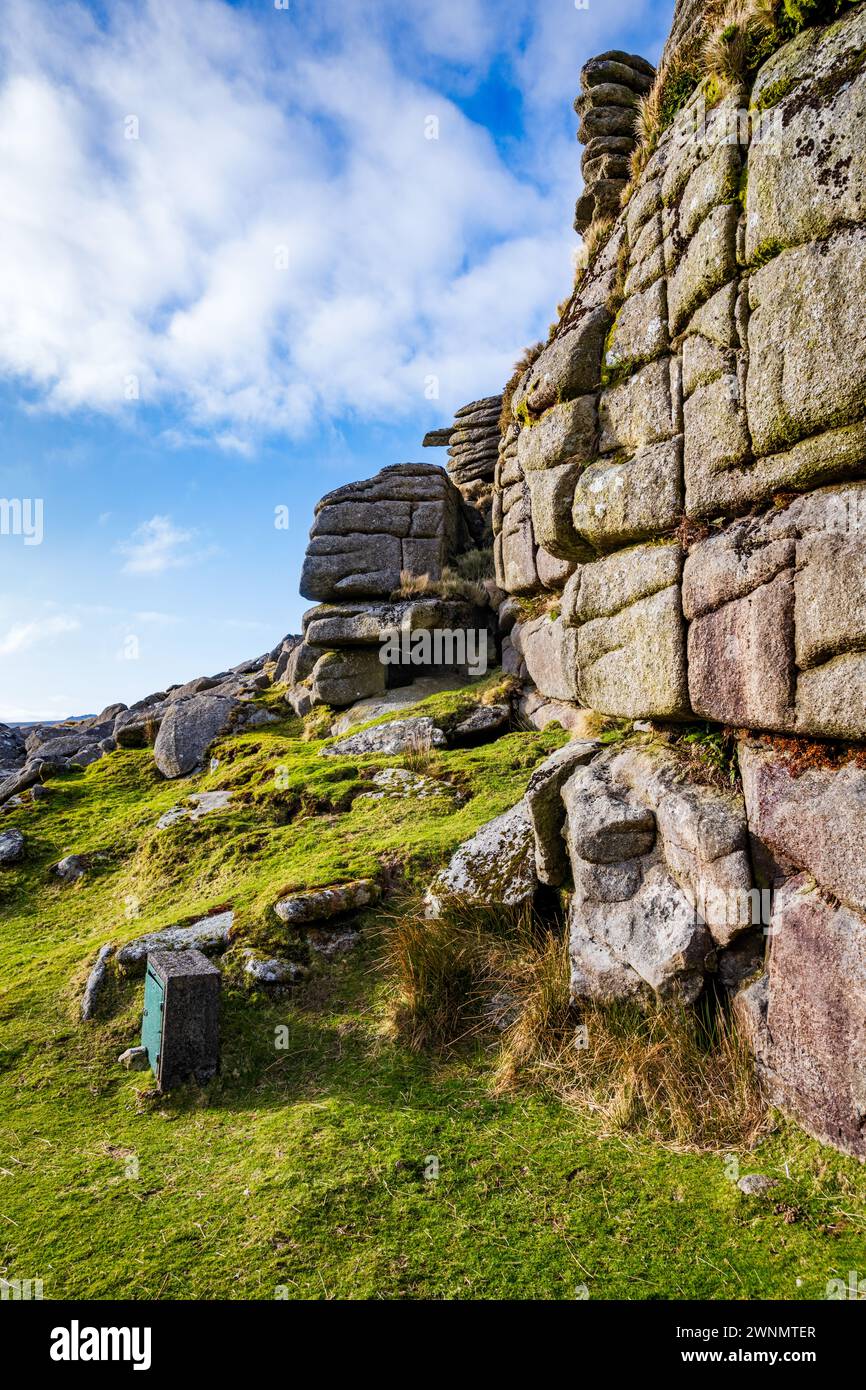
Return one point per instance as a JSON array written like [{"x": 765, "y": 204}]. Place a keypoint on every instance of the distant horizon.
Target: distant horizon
[{"x": 258, "y": 253}]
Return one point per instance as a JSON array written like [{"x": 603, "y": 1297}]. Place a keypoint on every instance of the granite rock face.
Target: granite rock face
[
  {"x": 700, "y": 409},
  {"x": 811, "y": 1037}
]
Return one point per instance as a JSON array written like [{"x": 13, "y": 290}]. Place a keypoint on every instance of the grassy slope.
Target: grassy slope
[{"x": 303, "y": 1167}]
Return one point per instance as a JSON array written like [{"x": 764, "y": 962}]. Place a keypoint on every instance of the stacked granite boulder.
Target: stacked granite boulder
[
  {"x": 611, "y": 88},
  {"x": 473, "y": 447},
  {"x": 378, "y": 550}
]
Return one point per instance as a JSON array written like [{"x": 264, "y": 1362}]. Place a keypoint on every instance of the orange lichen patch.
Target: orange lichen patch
[{"x": 805, "y": 755}]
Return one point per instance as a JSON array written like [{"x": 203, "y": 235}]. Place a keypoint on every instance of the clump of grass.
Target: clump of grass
[
  {"x": 711, "y": 752},
  {"x": 419, "y": 751},
  {"x": 476, "y": 565},
  {"x": 744, "y": 33},
  {"x": 527, "y": 359},
  {"x": 412, "y": 585},
  {"x": 595, "y": 238},
  {"x": 683, "y": 1077},
  {"x": 451, "y": 584},
  {"x": 317, "y": 724},
  {"x": 441, "y": 973}
]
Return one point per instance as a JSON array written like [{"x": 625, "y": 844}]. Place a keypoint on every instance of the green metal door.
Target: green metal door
[{"x": 151, "y": 1023}]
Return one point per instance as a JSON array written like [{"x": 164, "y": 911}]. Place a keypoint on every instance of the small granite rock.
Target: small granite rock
[
  {"x": 272, "y": 971},
  {"x": 96, "y": 981},
  {"x": 72, "y": 868},
  {"x": 11, "y": 847},
  {"x": 332, "y": 944},
  {"x": 135, "y": 1059}
]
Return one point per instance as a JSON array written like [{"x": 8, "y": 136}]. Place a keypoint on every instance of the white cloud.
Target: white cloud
[
  {"x": 158, "y": 545},
  {"x": 20, "y": 637},
  {"x": 152, "y": 265}
]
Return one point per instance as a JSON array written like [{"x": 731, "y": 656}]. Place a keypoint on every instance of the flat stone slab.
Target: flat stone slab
[
  {"x": 398, "y": 736},
  {"x": 203, "y": 804},
  {"x": 210, "y": 935},
  {"x": 322, "y": 904},
  {"x": 402, "y": 697}
]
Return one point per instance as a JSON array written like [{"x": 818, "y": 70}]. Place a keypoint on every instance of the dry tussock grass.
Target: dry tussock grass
[{"x": 682, "y": 1077}]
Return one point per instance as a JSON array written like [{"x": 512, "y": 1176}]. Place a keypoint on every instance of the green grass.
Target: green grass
[{"x": 302, "y": 1168}]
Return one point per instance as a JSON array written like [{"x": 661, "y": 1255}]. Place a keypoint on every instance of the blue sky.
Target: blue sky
[{"x": 238, "y": 272}]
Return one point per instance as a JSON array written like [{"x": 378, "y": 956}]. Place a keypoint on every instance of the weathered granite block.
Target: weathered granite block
[
  {"x": 777, "y": 610},
  {"x": 645, "y": 409},
  {"x": 807, "y": 166},
  {"x": 630, "y": 638},
  {"x": 618, "y": 503},
  {"x": 812, "y": 1052},
  {"x": 807, "y": 349},
  {"x": 661, "y": 874}
]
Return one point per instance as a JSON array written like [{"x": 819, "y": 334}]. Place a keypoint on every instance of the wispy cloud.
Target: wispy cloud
[
  {"x": 281, "y": 241},
  {"x": 158, "y": 545},
  {"x": 22, "y": 636}
]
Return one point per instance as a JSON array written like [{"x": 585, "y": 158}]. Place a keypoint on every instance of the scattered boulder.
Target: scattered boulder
[
  {"x": 495, "y": 868},
  {"x": 273, "y": 970},
  {"x": 203, "y": 804},
  {"x": 135, "y": 1059},
  {"x": 210, "y": 935},
  {"x": 388, "y": 740},
  {"x": 11, "y": 847},
  {"x": 321, "y": 904},
  {"x": 96, "y": 982},
  {"x": 188, "y": 730},
  {"x": 73, "y": 867}
]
